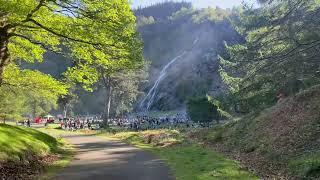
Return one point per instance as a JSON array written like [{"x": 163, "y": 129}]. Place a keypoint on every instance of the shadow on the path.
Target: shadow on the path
[{"x": 99, "y": 159}]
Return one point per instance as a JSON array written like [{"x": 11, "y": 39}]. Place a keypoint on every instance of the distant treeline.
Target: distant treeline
[{"x": 161, "y": 10}]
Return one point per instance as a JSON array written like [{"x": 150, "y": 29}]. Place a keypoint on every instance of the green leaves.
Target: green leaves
[
  {"x": 26, "y": 91},
  {"x": 282, "y": 43},
  {"x": 210, "y": 14},
  {"x": 101, "y": 31},
  {"x": 99, "y": 36}
]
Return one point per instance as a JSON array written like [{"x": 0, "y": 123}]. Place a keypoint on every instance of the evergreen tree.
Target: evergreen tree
[{"x": 280, "y": 54}]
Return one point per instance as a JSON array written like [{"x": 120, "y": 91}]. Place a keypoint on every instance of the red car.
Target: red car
[{"x": 38, "y": 120}]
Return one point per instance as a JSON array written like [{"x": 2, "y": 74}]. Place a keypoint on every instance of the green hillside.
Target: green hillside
[
  {"x": 27, "y": 153},
  {"x": 282, "y": 141},
  {"x": 16, "y": 142}
]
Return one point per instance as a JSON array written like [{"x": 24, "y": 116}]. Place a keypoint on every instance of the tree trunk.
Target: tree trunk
[
  {"x": 109, "y": 101},
  {"x": 109, "y": 89},
  {"x": 65, "y": 110},
  {"x": 4, "y": 52}
]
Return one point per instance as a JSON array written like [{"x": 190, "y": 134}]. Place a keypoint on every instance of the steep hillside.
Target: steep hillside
[
  {"x": 283, "y": 141},
  {"x": 25, "y": 152},
  {"x": 202, "y": 34}
]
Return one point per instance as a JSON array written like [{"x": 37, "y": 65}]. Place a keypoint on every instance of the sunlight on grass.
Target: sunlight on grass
[
  {"x": 56, "y": 131},
  {"x": 15, "y": 142},
  {"x": 188, "y": 161},
  {"x": 65, "y": 156}
]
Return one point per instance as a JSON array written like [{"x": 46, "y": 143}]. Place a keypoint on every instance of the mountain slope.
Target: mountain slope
[
  {"x": 195, "y": 73},
  {"x": 282, "y": 141}
]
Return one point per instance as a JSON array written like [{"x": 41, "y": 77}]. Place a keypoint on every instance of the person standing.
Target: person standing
[{"x": 28, "y": 123}]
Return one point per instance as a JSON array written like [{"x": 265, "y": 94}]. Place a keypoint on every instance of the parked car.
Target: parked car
[
  {"x": 50, "y": 120},
  {"x": 38, "y": 120}
]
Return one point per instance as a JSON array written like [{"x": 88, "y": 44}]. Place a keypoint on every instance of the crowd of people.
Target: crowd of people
[
  {"x": 76, "y": 123},
  {"x": 130, "y": 122},
  {"x": 26, "y": 122},
  {"x": 140, "y": 122},
  {"x": 147, "y": 122}
]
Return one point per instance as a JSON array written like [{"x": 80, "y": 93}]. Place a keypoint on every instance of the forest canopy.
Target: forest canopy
[
  {"x": 280, "y": 55},
  {"x": 95, "y": 35}
]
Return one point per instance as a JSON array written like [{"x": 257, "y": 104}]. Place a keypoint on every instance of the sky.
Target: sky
[{"x": 196, "y": 3}]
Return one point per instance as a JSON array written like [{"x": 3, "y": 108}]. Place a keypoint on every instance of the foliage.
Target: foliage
[
  {"x": 101, "y": 31},
  {"x": 279, "y": 55},
  {"x": 143, "y": 21},
  {"x": 181, "y": 153},
  {"x": 126, "y": 90},
  {"x": 211, "y": 14},
  {"x": 307, "y": 166},
  {"x": 26, "y": 91},
  {"x": 183, "y": 12},
  {"x": 12, "y": 105},
  {"x": 280, "y": 141},
  {"x": 161, "y": 11},
  {"x": 203, "y": 109},
  {"x": 98, "y": 36}
]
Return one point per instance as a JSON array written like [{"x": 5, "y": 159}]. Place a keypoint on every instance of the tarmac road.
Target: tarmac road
[{"x": 100, "y": 159}]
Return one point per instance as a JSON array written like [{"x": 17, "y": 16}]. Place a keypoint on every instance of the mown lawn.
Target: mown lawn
[{"x": 188, "y": 161}]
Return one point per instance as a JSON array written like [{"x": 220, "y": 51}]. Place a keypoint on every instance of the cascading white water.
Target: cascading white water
[{"x": 149, "y": 98}]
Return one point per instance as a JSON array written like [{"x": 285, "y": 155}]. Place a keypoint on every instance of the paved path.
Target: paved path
[{"x": 99, "y": 159}]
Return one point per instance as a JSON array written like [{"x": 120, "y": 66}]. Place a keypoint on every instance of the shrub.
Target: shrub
[{"x": 203, "y": 109}]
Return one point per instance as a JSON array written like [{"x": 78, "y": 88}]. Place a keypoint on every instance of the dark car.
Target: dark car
[{"x": 50, "y": 120}]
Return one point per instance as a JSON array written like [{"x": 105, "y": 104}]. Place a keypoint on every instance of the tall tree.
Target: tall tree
[
  {"x": 126, "y": 90},
  {"x": 113, "y": 75},
  {"x": 89, "y": 29},
  {"x": 281, "y": 53},
  {"x": 25, "y": 91}
]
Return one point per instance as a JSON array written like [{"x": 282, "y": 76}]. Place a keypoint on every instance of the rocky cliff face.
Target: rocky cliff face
[{"x": 196, "y": 72}]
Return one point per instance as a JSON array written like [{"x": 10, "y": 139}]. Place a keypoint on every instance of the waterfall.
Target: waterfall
[{"x": 149, "y": 98}]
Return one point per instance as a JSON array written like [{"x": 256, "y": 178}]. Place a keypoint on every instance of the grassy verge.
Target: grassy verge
[
  {"x": 66, "y": 152},
  {"x": 188, "y": 160},
  {"x": 15, "y": 142},
  {"x": 65, "y": 156},
  {"x": 21, "y": 145}
]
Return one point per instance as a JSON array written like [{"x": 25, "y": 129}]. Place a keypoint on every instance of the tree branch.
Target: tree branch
[{"x": 38, "y": 43}]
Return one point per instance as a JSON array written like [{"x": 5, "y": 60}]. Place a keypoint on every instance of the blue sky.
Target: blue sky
[{"x": 196, "y": 3}]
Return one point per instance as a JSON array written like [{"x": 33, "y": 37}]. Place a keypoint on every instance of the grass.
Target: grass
[
  {"x": 65, "y": 156},
  {"x": 306, "y": 166},
  {"x": 191, "y": 161},
  {"x": 16, "y": 143},
  {"x": 281, "y": 142},
  {"x": 56, "y": 131},
  {"x": 188, "y": 161}
]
